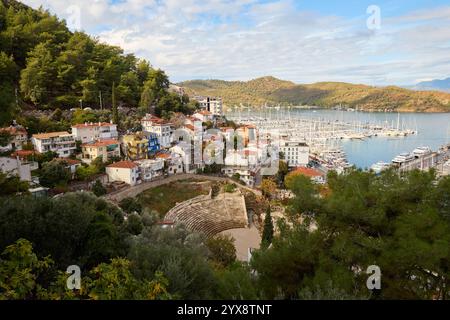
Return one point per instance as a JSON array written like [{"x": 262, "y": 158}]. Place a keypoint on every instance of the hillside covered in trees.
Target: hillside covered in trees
[
  {"x": 45, "y": 66},
  {"x": 273, "y": 91}
]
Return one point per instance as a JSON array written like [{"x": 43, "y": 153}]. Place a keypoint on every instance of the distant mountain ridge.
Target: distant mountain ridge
[
  {"x": 441, "y": 85},
  {"x": 272, "y": 91}
]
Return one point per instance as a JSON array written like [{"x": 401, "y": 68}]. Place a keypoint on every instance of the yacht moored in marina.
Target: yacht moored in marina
[
  {"x": 421, "y": 151},
  {"x": 403, "y": 157}
]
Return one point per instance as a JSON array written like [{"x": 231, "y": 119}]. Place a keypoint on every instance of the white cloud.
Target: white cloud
[{"x": 243, "y": 39}]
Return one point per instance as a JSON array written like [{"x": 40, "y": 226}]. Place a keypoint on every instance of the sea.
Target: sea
[{"x": 433, "y": 130}]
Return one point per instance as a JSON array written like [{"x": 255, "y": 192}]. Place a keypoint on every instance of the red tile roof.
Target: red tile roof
[
  {"x": 309, "y": 172},
  {"x": 100, "y": 143},
  {"x": 155, "y": 120},
  {"x": 14, "y": 130},
  {"x": 49, "y": 135},
  {"x": 123, "y": 165},
  {"x": 163, "y": 155},
  {"x": 23, "y": 153}
]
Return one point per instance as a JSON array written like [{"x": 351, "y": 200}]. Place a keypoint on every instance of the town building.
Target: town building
[
  {"x": 249, "y": 175},
  {"x": 153, "y": 143},
  {"x": 314, "y": 174},
  {"x": 63, "y": 143},
  {"x": 70, "y": 164},
  {"x": 204, "y": 116},
  {"x": 160, "y": 127},
  {"x": 18, "y": 136},
  {"x": 27, "y": 157},
  {"x": 150, "y": 169},
  {"x": 88, "y": 132},
  {"x": 211, "y": 104},
  {"x": 173, "y": 162},
  {"x": 106, "y": 149},
  {"x": 14, "y": 166},
  {"x": 296, "y": 153},
  {"x": 135, "y": 146},
  {"x": 124, "y": 171}
]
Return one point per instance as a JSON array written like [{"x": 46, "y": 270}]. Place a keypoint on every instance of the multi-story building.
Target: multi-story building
[
  {"x": 211, "y": 104},
  {"x": 63, "y": 143},
  {"x": 160, "y": 127},
  {"x": 18, "y": 136},
  {"x": 153, "y": 143},
  {"x": 150, "y": 169},
  {"x": 295, "y": 153},
  {"x": 87, "y": 132},
  {"x": 125, "y": 171},
  {"x": 135, "y": 146},
  {"x": 106, "y": 149},
  {"x": 173, "y": 162}
]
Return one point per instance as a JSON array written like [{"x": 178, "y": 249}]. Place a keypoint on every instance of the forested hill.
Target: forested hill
[
  {"x": 272, "y": 91},
  {"x": 45, "y": 66}
]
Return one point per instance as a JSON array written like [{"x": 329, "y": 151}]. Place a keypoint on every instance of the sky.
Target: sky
[{"x": 378, "y": 42}]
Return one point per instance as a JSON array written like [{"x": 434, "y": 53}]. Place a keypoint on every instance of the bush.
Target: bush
[
  {"x": 130, "y": 205},
  {"x": 229, "y": 187}
]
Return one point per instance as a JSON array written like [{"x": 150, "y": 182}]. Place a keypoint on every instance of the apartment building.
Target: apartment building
[
  {"x": 211, "y": 104},
  {"x": 296, "y": 153},
  {"x": 88, "y": 132},
  {"x": 160, "y": 127},
  {"x": 106, "y": 149},
  {"x": 63, "y": 143}
]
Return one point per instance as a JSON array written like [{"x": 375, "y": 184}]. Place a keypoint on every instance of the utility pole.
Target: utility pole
[
  {"x": 17, "y": 98},
  {"x": 101, "y": 101}
]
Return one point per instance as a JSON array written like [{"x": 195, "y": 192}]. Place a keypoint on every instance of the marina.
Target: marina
[{"x": 339, "y": 138}]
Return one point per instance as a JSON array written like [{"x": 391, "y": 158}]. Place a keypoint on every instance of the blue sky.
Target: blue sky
[{"x": 302, "y": 41}]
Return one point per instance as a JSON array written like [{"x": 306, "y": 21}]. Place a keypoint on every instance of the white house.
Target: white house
[
  {"x": 15, "y": 166},
  {"x": 203, "y": 116},
  {"x": 125, "y": 171},
  {"x": 295, "y": 153},
  {"x": 162, "y": 129},
  {"x": 62, "y": 143},
  {"x": 87, "y": 132}
]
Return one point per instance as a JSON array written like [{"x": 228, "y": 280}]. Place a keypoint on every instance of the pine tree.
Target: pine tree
[
  {"x": 115, "y": 111},
  {"x": 267, "y": 235}
]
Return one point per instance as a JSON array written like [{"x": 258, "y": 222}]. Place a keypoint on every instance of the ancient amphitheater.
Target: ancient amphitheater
[{"x": 211, "y": 215}]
